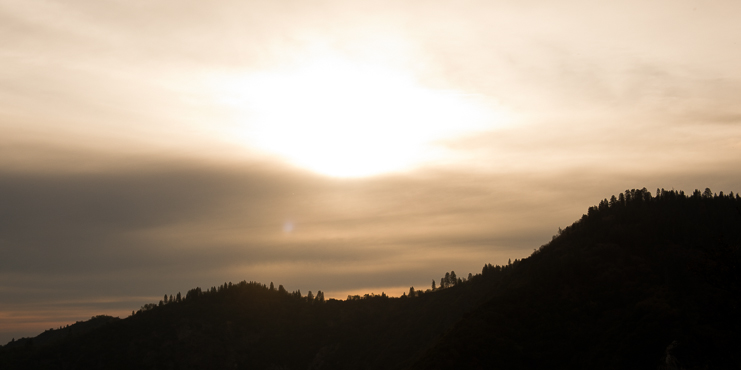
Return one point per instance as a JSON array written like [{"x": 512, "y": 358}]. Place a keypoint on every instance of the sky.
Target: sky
[{"x": 149, "y": 147}]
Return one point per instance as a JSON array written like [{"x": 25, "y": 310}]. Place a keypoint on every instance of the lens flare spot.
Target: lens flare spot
[{"x": 288, "y": 227}]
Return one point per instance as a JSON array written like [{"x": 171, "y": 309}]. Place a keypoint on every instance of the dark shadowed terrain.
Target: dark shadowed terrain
[{"x": 639, "y": 282}]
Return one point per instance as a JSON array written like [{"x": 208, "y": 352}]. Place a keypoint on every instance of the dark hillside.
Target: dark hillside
[
  {"x": 63, "y": 333},
  {"x": 639, "y": 282},
  {"x": 251, "y": 326}
]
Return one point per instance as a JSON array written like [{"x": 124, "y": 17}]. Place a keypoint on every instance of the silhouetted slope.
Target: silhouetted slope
[
  {"x": 639, "y": 282},
  {"x": 63, "y": 333},
  {"x": 643, "y": 283},
  {"x": 247, "y": 325}
]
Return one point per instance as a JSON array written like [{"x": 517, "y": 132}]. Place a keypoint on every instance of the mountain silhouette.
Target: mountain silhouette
[{"x": 639, "y": 282}]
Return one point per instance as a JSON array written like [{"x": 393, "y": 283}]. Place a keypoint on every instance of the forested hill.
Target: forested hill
[{"x": 641, "y": 281}]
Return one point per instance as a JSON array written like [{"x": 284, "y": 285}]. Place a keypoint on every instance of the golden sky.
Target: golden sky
[{"x": 148, "y": 147}]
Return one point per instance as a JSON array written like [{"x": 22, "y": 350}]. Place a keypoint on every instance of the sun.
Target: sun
[{"x": 349, "y": 119}]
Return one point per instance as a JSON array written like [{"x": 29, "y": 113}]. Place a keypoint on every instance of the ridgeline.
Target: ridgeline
[{"x": 639, "y": 282}]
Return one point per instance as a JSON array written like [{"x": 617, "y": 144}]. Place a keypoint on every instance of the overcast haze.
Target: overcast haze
[{"x": 149, "y": 147}]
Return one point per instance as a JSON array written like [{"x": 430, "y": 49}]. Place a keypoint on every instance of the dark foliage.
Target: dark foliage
[
  {"x": 63, "y": 333},
  {"x": 248, "y": 325},
  {"x": 639, "y": 282}
]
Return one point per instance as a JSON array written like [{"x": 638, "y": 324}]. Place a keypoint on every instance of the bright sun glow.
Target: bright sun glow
[{"x": 344, "y": 119}]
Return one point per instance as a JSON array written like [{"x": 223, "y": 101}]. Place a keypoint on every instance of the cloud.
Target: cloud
[{"x": 171, "y": 220}]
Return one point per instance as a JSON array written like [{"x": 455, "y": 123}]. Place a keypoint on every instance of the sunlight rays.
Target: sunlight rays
[{"x": 345, "y": 119}]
